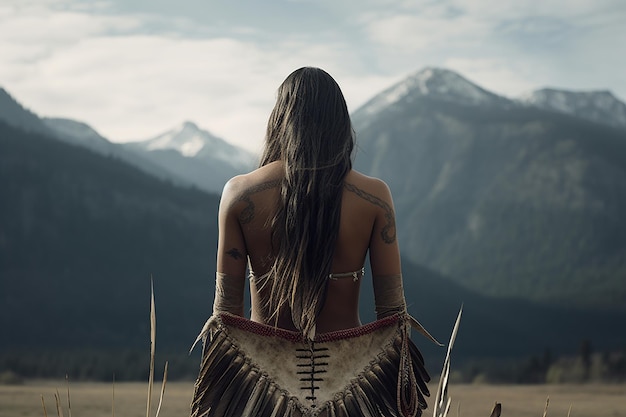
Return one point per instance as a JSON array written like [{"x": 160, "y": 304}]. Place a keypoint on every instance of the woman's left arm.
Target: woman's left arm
[{"x": 232, "y": 255}]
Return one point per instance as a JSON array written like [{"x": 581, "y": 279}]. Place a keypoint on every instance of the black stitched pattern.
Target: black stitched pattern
[{"x": 312, "y": 363}]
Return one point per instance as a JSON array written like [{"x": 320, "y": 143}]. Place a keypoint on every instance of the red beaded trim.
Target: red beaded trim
[
  {"x": 357, "y": 331},
  {"x": 271, "y": 331},
  {"x": 259, "y": 328}
]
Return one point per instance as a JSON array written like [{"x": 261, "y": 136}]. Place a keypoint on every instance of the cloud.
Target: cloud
[
  {"x": 414, "y": 33},
  {"x": 135, "y": 84},
  {"x": 129, "y": 85},
  {"x": 32, "y": 34},
  {"x": 508, "y": 46},
  {"x": 492, "y": 75},
  {"x": 133, "y": 74}
]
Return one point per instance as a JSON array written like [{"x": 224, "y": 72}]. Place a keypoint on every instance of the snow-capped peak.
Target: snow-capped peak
[
  {"x": 187, "y": 139},
  {"x": 190, "y": 141},
  {"x": 436, "y": 83},
  {"x": 598, "y": 106}
]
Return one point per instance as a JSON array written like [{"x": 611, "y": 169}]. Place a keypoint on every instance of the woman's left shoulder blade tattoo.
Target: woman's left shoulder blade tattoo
[{"x": 388, "y": 233}]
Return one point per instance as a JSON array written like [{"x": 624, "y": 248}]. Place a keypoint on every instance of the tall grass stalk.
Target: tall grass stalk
[
  {"x": 152, "y": 347},
  {"x": 113, "y": 398},
  {"x": 69, "y": 403},
  {"x": 57, "y": 398},
  {"x": 497, "y": 410},
  {"x": 442, "y": 401},
  {"x": 43, "y": 404},
  {"x": 162, "y": 390},
  {"x": 545, "y": 411}
]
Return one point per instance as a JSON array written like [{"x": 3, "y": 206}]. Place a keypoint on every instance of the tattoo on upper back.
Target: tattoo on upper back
[
  {"x": 247, "y": 214},
  {"x": 388, "y": 233},
  {"x": 234, "y": 253}
]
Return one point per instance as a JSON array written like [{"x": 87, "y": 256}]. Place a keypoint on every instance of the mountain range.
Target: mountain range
[
  {"x": 185, "y": 155},
  {"x": 510, "y": 207},
  {"x": 504, "y": 197},
  {"x": 89, "y": 233}
]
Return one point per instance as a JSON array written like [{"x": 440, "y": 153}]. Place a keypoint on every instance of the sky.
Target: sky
[{"x": 133, "y": 69}]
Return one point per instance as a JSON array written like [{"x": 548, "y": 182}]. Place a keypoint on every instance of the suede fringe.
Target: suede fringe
[{"x": 230, "y": 384}]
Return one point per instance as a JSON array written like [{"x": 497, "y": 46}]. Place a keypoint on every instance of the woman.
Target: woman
[{"x": 302, "y": 224}]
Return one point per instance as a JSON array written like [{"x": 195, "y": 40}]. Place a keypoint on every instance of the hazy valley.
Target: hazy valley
[{"x": 513, "y": 208}]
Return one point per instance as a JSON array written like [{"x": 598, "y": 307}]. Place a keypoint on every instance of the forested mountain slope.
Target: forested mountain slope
[
  {"x": 80, "y": 237},
  {"x": 504, "y": 198}
]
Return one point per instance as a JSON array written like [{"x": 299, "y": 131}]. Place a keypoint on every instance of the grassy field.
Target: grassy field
[{"x": 95, "y": 399}]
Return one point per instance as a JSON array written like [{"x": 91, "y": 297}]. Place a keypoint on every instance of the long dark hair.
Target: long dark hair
[{"x": 309, "y": 130}]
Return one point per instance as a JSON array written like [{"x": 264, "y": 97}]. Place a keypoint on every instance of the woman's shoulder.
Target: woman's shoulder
[
  {"x": 371, "y": 185},
  {"x": 244, "y": 185}
]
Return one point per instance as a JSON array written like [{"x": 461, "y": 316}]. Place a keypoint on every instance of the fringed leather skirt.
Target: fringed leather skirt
[{"x": 254, "y": 370}]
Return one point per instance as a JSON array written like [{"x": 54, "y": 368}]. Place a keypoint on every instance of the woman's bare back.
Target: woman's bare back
[{"x": 367, "y": 223}]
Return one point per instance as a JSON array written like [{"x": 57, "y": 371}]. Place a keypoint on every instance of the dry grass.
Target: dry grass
[
  {"x": 586, "y": 400},
  {"x": 94, "y": 400}
]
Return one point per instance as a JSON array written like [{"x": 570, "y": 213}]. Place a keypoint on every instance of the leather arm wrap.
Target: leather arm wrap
[
  {"x": 228, "y": 294},
  {"x": 388, "y": 295}
]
